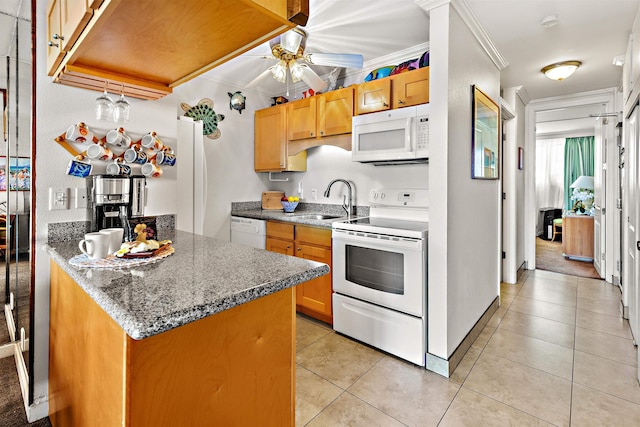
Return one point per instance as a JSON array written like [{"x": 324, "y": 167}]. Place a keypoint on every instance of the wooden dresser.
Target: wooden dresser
[{"x": 577, "y": 237}]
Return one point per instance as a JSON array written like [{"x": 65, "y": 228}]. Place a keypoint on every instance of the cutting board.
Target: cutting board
[{"x": 271, "y": 200}]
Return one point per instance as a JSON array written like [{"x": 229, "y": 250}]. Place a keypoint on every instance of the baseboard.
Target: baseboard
[
  {"x": 446, "y": 367},
  {"x": 37, "y": 411}
]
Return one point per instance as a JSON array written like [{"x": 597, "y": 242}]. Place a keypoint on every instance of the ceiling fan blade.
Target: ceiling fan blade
[
  {"x": 312, "y": 79},
  {"x": 350, "y": 60},
  {"x": 261, "y": 76}
]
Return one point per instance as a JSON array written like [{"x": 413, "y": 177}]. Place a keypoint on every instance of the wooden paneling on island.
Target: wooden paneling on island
[{"x": 236, "y": 367}]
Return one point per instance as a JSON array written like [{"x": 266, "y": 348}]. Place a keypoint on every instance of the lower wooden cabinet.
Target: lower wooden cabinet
[
  {"x": 577, "y": 236},
  {"x": 313, "y": 298}
]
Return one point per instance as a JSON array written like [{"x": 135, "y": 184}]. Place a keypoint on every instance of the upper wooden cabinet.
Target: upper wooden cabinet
[
  {"x": 397, "y": 91},
  {"x": 270, "y": 142},
  {"x": 301, "y": 119},
  {"x": 321, "y": 116},
  {"x": 65, "y": 21},
  {"x": 335, "y": 110},
  {"x": 159, "y": 44},
  {"x": 373, "y": 96},
  {"x": 410, "y": 88}
]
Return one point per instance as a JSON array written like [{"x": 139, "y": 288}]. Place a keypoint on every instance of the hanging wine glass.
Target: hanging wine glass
[
  {"x": 121, "y": 109},
  {"x": 104, "y": 105}
]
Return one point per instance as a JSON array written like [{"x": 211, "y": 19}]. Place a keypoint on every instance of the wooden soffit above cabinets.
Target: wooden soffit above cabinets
[{"x": 152, "y": 46}]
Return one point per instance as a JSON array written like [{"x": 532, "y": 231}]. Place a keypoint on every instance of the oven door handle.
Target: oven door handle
[{"x": 377, "y": 241}]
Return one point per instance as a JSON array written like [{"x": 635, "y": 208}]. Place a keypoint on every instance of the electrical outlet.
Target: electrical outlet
[
  {"x": 58, "y": 198},
  {"x": 81, "y": 197},
  {"x": 314, "y": 194}
]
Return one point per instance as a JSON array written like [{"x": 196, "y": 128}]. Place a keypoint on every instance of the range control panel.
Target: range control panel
[{"x": 410, "y": 197}]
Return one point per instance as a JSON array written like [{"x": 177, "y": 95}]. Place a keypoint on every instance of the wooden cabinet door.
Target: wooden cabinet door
[
  {"x": 373, "y": 96},
  {"x": 315, "y": 295},
  {"x": 54, "y": 26},
  {"x": 74, "y": 16},
  {"x": 285, "y": 247},
  {"x": 410, "y": 88},
  {"x": 270, "y": 139},
  {"x": 301, "y": 119},
  {"x": 335, "y": 110}
]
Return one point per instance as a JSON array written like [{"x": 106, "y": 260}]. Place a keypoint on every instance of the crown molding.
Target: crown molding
[
  {"x": 472, "y": 23},
  {"x": 397, "y": 57},
  {"x": 431, "y": 4},
  {"x": 521, "y": 92}
]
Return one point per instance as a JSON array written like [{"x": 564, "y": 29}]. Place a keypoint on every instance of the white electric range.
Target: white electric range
[{"x": 380, "y": 274}]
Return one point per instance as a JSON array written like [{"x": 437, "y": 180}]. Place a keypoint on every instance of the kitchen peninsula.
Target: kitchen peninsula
[{"x": 205, "y": 336}]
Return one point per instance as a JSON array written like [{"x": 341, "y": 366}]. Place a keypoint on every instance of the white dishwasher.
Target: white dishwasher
[{"x": 248, "y": 231}]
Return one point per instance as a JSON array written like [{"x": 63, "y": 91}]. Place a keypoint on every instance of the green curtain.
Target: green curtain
[{"x": 578, "y": 160}]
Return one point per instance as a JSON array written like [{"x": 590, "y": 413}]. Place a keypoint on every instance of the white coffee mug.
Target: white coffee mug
[
  {"x": 115, "y": 238},
  {"x": 79, "y": 133},
  {"x": 98, "y": 152},
  {"x": 151, "y": 141},
  {"x": 95, "y": 245},
  {"x": 118, "y": 137}
]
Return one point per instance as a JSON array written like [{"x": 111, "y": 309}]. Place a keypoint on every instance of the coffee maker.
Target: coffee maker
[{"x": 113, "y": 200}]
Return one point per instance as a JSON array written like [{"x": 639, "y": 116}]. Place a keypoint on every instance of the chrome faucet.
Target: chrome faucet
[{"x": 346, "y": 204}]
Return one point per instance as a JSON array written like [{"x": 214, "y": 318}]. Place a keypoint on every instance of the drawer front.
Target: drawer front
[
  {"x": 313, "y": 236},
  {"x": 280, "y": 230}
]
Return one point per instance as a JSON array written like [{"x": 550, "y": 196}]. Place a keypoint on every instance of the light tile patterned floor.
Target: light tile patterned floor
[{"x": 557, "y": 352}]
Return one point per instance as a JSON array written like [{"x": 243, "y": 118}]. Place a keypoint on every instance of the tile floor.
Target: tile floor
[{"x": 555, "y": 353}]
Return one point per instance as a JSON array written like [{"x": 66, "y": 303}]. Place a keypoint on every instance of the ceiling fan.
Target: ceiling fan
[{"x": 288, "y": 50}]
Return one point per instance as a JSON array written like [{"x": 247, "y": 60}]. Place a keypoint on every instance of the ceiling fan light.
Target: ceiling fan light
[
  {"x": 296, "y": 70},
  {"x": 279, "y": 71},
  {"x": 291, "y": 40},
  {"x": 561, "y": 70}
]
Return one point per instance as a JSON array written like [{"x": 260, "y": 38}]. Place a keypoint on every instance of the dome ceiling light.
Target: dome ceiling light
[{"x": 561, "y": 70}]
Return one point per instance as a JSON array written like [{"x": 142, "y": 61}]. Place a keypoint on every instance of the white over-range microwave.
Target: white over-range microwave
[{"x": 391, "y": 137}]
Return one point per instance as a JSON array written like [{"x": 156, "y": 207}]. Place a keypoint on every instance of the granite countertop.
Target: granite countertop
[
  {"x": 203, "y": 277},
  {"x": 301, "y": 214}
]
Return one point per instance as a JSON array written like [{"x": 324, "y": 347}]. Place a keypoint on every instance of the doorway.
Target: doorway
[{"x": 560, "y": 118}]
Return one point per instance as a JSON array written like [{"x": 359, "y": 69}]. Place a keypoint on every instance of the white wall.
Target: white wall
[{"x": 464, "y": 246}]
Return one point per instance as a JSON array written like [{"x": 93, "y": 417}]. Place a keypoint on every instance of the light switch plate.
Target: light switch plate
[
  {"x": 58, "y": 199},
  {"x": 81, "y": 197}
]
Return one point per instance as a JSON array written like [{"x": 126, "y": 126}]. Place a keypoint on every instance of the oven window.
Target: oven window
[{"x": 375, "y": 269}]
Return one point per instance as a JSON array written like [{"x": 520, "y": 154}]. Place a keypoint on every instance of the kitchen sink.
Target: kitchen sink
[{"x": 319, "y": 217}]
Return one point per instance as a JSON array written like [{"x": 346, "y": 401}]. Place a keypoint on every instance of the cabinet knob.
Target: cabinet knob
[
  {"x": 57, "y": 37},
  {"x": 53, "y": 44},
  {"x": 400, "y": 101},
  {"x": 310, "y": 133},
  {"x": 289, "y": 247},
  {"x": 299, "y": 249},
  {"x": 321, "y": 132},
  {"x": 384, "y": 104}
]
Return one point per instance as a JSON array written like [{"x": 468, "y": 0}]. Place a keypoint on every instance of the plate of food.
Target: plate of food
[
  {"x": 130, "y": 250},
  {"x": 141, "y": 247}
]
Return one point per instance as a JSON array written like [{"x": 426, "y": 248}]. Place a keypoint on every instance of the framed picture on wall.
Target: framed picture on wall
[
  {"x": 18, "y": 175},
  {"x": 485, "y": 135}
]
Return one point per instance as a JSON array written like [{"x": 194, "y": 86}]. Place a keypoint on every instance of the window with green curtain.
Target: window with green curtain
[{"x": 578, "y": 160}]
